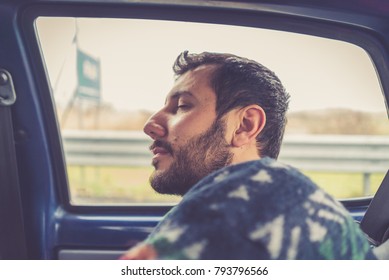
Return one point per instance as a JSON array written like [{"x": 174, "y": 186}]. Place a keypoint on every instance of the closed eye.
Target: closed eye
[{"x": 184, "y": 107}]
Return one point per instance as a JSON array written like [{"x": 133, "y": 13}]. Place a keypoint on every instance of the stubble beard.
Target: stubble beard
[{"x": 199, "y": 157}]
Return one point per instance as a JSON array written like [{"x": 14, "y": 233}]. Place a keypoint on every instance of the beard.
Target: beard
[{"x": 199, "y": 157}]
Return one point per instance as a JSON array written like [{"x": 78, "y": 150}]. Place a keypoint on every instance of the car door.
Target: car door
[{"x": 82, "y": 160}]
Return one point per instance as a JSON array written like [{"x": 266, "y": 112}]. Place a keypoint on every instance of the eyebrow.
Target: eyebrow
[{"x": 178, "y": 94}]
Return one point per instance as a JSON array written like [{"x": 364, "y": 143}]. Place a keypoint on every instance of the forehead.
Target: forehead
[{"x": 195, "y": 83}]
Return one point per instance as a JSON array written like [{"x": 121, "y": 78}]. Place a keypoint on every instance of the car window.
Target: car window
[{"x": 108, "y": 76}]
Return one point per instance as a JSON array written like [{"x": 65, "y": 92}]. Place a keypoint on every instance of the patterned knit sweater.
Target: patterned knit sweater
[{"x": 255, "y": 210}]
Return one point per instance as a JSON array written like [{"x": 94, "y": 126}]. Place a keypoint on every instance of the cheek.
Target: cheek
[{"x": 183, "y": 129}]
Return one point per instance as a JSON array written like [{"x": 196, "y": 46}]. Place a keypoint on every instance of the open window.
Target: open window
[{"x": 109, "y": 75}]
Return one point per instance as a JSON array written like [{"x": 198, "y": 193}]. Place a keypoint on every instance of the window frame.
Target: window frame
[{"x": 308, "y": 21}]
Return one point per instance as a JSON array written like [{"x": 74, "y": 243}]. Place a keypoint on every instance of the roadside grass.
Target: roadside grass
[
  {"x": 127, "y": 185},
  {"x": 345, "y": 185},
  {"x": 113, "y": 185}
]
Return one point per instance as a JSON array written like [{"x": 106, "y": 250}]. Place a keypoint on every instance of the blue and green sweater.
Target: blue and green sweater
[{"x": 256, "y": 210}]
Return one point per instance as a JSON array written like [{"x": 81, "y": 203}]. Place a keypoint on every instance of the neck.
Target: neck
[{"x": 243, "y": 155}]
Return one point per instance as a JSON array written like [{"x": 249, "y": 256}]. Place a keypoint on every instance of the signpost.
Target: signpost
[
  {"x": 88, "y": 83},
  {"x": 88, "y": 76}
]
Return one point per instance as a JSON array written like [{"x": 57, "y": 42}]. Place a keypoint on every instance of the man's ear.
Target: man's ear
[{"x": 252, "y": 121}]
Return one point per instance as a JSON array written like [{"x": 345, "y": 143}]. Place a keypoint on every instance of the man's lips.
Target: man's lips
[
  {"x": 159, "y": 151},
  {"x": 160, "y": 148}
]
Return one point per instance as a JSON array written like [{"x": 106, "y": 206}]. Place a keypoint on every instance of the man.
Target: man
[{"x": 215, "y": 141}]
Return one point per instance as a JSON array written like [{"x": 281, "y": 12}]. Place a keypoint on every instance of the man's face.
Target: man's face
[{"x": 189, "y": 142}]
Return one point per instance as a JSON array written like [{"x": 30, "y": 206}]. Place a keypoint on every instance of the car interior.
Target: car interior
[{"x": 78, "y": 79}]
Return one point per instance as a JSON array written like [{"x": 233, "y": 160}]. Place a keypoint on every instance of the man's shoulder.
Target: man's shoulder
[
  {"x": 263, "y": 191},
  {"x": 258, "y": 192}
]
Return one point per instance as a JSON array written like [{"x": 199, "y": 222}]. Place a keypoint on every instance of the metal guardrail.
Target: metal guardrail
[
  {"x": 362, "y": 154},
  {"x": 334, "y": 153},
  {"x": 107, "y": 148}
]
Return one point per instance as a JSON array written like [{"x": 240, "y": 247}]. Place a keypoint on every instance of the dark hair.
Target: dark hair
[{"x": 239, "y": 82}]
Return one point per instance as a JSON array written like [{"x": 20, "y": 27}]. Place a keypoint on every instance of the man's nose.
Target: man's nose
[{"x": 154, "y": 128}]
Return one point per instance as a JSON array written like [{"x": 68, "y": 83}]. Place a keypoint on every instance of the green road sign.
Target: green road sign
[{"x": 88, "y": 74}]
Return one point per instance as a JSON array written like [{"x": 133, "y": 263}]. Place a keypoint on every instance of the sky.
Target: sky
[{"x": 136, "y": 59}]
